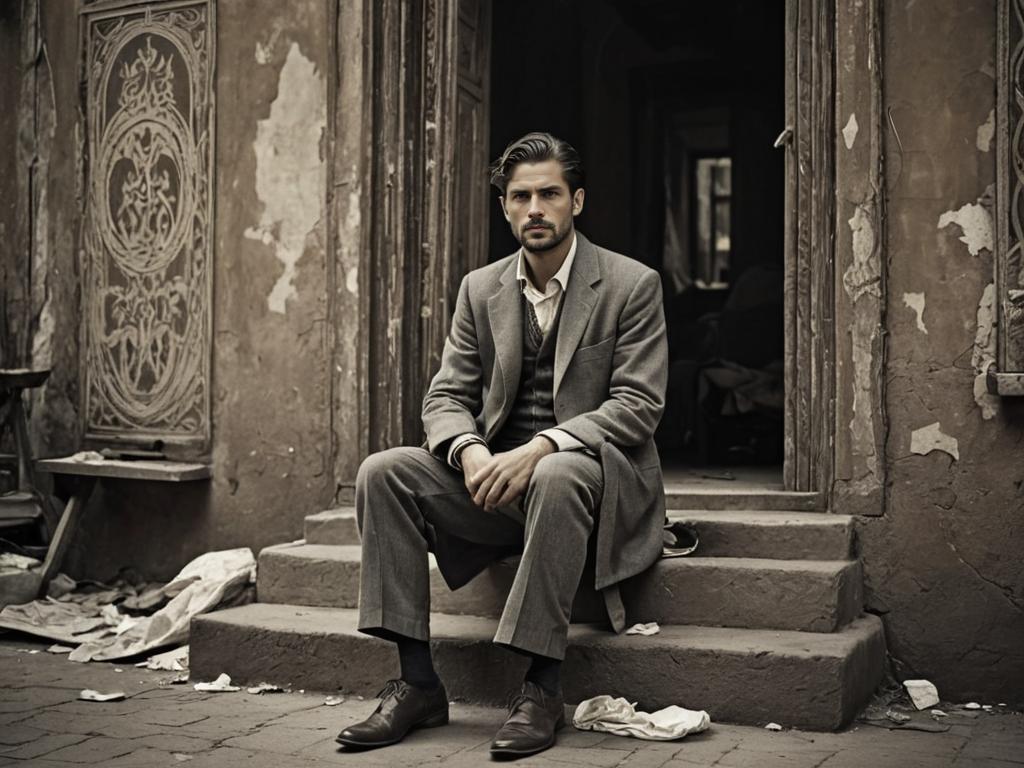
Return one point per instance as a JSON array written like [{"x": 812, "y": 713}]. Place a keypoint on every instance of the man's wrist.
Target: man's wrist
[{"x": 545, "y": 444}]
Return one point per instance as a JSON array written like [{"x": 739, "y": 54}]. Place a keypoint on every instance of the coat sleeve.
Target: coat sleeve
[
  {"x": 639, "y": 375},
  {"x": 455, "y": 392}
]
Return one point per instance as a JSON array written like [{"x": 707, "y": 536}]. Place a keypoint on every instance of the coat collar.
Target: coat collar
[{"x": 505, "y": 315}]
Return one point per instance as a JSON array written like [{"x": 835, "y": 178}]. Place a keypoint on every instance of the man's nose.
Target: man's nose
[{"x": 536, "y": 212}]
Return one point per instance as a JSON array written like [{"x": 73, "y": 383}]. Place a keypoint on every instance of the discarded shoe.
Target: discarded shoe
[
  {"x": 533, "y": 719},
  {"x": 678, "y": 540},
  {"x": 403, "y": 707}
]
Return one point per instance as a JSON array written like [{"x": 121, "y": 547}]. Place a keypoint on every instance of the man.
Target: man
[{"x": 539, "y": 428}]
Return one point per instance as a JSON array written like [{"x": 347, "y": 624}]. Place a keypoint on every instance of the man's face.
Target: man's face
[{"x": 538, "y": 205}]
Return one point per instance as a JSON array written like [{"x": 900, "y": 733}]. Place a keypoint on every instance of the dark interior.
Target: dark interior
[{"x": 674, "y": 107}]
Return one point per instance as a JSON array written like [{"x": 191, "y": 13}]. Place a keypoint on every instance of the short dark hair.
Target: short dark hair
[{"x": 536, "y": 147}]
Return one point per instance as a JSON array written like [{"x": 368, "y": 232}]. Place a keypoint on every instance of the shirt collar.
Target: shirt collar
[{"x": 561, "y": 276}]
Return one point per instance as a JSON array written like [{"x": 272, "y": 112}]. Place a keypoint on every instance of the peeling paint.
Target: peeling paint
[
  {"x": 265, "y": 51},
  {"x": 862, "y": 275},
  {"x": 975, "y": 221},
  {"x": 931, "y": 438},
  {"x": 915, "y": 301},
  {"x": 352, "y": 281},
  {"x": 984, "y": 353},
  {"x": 850, "y": 131},
  {"x": 986, "y": 132},
  {"x": 289, "y": 171},
  {"x": 862, "y": 283}
]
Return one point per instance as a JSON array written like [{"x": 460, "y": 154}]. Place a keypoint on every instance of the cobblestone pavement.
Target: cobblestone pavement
[{"x": 42, "y": 723}]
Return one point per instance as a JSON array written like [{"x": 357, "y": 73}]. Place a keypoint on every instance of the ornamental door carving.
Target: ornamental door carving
[{"x": 148, "y": 223}]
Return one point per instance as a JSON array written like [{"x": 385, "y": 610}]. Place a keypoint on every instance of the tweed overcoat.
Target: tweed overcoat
[{"x": 611, "y": 370}]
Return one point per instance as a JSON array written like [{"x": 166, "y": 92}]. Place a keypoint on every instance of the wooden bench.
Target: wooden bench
[{"x": 84, "y": 474}]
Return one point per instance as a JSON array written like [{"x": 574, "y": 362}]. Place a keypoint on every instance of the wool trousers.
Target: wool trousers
[{"x": 408, "y": 502}]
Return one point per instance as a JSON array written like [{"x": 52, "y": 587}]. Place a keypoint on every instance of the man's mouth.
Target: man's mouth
[{"x": 537, "y": 226}]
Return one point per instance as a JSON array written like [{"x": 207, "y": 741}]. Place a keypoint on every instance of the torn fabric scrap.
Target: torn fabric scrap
[{"x": 619, "y": 717}]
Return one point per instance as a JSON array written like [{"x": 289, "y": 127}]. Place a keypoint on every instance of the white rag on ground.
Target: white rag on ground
[
  {"x": 618, "y": 716},
  {"x": 104, "y": 633}
]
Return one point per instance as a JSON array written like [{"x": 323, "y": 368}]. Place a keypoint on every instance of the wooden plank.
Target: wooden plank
[
  {"x": 163, "y": 471},
  {"x": 69, "y": 520}
]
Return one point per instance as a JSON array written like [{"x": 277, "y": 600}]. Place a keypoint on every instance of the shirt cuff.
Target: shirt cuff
[
  {"x": 458, "y": 444},
  {"x": 562, "y": 439}
]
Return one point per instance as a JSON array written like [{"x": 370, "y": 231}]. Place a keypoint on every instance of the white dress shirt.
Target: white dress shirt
[{"x": 545, "y": 306}]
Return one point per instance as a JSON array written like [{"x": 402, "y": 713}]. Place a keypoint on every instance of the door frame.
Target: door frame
[
  {"x": 391, "y": 226},
  {"x": 809, "y": 246}
]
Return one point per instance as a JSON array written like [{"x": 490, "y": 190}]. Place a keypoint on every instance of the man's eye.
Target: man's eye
[
  {"x": 550, "y": 193},
  {"x": 519, "y": 196}
]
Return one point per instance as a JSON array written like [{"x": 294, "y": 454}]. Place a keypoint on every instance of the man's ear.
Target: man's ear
[
  {"x": 504, "y": 210},
  {"x": 577, "y": 202}
]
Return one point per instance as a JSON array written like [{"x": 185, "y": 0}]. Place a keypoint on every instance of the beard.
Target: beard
[{"x": 554, "y": 237}]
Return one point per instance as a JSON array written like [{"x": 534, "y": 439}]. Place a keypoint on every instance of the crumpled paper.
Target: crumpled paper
[
  {"x": 103, "y": 633},
  {"x": 649, "y": 628},
  {"x": 618, "y": 716}
]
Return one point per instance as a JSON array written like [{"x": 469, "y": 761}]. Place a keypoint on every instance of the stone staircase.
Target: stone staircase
[{"x": 766, "y": 625}]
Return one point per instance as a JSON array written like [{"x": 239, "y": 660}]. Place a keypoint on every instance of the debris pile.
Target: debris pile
[{"x": 115, "y": 621}]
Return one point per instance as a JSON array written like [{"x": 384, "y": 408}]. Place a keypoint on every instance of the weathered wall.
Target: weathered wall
[
  {"x": 943, "y": 561},
  {"x": 271, "y": 450}
]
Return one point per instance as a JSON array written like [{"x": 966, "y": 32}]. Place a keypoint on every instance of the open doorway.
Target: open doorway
[{"x": 674, "y": 108}]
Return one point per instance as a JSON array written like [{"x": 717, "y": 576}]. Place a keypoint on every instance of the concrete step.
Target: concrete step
[
  {"x": 806, "y": 595},
  {"x": 332, "y": 526},
  {"x": 800, "y": 679},
  {"x": 767, "y": 534}
]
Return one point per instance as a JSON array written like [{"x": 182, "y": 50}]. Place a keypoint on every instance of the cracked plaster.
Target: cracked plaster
[
  {"x": 916, "y": 302},
  {"x": 289, "y": 170},
  {"x": 975, "y": 222},
  {"x": 924, "y": 440},
  {"x": 984, "y": 353}
]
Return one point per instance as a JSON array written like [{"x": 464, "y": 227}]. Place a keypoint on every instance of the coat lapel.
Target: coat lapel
[
  {"x": 577, "y": 304},
  {"x": 505, "y": 315}
]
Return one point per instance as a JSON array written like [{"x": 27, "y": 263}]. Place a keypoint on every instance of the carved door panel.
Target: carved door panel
[
  {"x": 148, "y": 222},
  {"x": 471, "y": 138}
]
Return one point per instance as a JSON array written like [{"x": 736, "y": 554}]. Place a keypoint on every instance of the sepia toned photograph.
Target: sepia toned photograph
[{"x": 605, "y": 383}]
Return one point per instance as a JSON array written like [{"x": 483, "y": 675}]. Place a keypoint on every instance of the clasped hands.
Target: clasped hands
[{"x": 496, "y": 480}]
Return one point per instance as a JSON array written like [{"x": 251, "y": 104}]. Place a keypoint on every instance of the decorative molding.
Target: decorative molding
[
  {"x": 1009, "y": 204},
  {"x": 147, "y": 276}
]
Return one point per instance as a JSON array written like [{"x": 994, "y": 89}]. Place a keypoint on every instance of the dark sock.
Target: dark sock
[
  {"x": 417, "y": 664},
  {"x": 545, "y": 672}
]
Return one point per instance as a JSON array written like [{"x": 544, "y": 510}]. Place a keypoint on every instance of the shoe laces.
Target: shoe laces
[
  {"x": 391, "y": 688},
  {"x": 516, "y": 698}
]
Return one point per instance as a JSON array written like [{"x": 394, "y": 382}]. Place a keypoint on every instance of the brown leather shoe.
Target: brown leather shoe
[
  {"x": 533, "y": 718},
  {"x": 402, "y": 708}
]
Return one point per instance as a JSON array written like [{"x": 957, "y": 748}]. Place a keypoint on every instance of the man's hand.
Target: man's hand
[
  {"x": 473, "y": 458},
  {"x": 498, "y": 480}
]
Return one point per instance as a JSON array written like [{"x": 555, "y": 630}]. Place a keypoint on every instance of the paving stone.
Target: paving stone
[
  {"x": 866, "y": 757},
  {"x": 96, "y": 723},
  {"x": 167, "y": 716},
  {"x": 740, "y": 758},
  {"x": 276, "y": 738},
  {"x": 19, "y": 733},
  {"x": 175, "y": 742},
  {"x": 146, "y": 757},
  {"x": 43, "y": 746},
  {"x": 26, "y": 700},
  {"x": 98, "y": 749},
  {"x": 1009, "y": 751}
]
